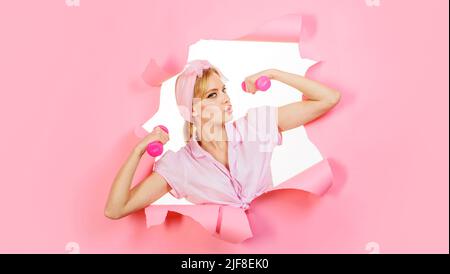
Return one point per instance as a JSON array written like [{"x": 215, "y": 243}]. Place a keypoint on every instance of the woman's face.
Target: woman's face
[{"x": 214, "y": 106}]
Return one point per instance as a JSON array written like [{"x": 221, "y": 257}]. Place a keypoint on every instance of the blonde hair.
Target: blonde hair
[{"x": 200, "y": 88}]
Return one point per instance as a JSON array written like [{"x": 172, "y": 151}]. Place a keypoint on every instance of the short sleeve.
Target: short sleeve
[
  {"x": 264, "y": 120},
  {"x": 169, "y": 167}
]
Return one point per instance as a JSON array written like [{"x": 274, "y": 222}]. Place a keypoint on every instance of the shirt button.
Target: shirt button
[{"x": 244, "y": 205}]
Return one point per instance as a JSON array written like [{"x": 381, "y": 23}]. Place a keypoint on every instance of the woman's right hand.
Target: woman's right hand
[{"x": 156, "y": 135}]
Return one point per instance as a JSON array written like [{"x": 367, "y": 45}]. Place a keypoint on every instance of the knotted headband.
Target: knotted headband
[{"x": 184, "y": 87}]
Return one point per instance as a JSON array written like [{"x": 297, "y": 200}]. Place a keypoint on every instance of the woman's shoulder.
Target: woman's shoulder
[{"x": 177, "y": 156}]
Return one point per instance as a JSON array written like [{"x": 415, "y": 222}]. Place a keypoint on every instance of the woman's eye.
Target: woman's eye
[{"x": 214, "y": 94}]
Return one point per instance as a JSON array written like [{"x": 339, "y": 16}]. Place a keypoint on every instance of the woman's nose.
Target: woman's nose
[{"x": 226, "y": 99}]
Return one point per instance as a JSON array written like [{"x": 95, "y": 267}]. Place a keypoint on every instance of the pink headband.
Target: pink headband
[{"x": 184, "y": 88}]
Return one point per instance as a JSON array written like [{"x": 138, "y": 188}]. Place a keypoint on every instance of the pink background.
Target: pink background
[{"x": 71, "y": 96}]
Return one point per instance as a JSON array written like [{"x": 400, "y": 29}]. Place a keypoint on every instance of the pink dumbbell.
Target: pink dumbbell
[
  {"x": 155, "y": 148},
  {"x": 262, "y": 83}
]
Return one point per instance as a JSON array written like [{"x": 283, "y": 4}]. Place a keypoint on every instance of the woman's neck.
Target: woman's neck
[{"x": 213, "y": 138}]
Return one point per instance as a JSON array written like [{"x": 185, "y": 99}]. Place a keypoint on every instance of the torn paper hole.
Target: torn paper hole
[
  {"x": 236, "y": 60},
  {"x": 296, "y": 158}
]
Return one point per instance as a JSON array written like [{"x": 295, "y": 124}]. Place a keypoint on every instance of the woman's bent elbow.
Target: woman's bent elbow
[{"x": 112, "y": 214}]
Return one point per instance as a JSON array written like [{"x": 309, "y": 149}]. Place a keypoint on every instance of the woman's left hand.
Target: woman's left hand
[{"x": 250, "y": 80}]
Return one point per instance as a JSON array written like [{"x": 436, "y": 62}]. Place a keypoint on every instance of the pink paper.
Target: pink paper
[
  {"x": 317, "y": 179},
  {"x": 206, "y": 215},
  {"x": 154, "y": 75},
  {"x": 68, "y": 124},
  {"x": 283, "y": 29}
]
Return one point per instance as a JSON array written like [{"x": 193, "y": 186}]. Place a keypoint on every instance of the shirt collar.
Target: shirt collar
[
  {"x": 195, "y": 148},
  {"x": 233, "y": 135}
]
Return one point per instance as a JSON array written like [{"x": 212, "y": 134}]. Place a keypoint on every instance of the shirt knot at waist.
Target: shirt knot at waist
[{"x": 244, "y": 205}]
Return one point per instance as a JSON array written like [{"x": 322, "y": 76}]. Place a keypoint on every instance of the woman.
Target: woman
[{"x": 224, "y": 161}]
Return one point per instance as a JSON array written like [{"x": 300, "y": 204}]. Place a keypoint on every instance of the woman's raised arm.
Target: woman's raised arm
[
  {"x": 123, "y": 201},
  {"x": 320, "y": 100}
]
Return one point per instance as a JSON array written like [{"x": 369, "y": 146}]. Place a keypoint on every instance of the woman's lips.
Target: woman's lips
[{"x": 229, "y": 109}]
